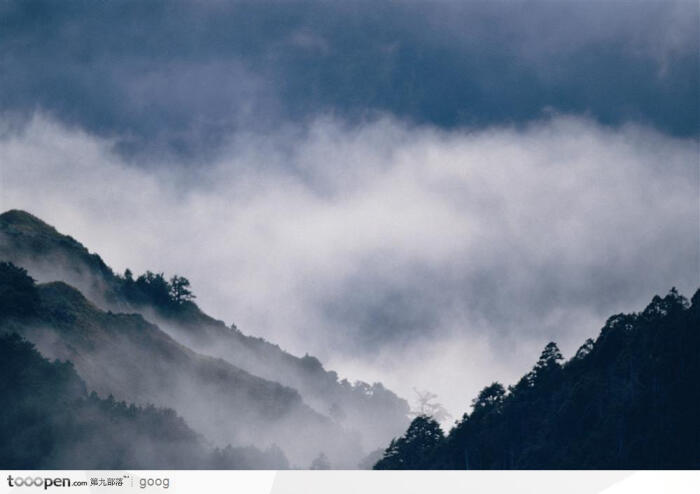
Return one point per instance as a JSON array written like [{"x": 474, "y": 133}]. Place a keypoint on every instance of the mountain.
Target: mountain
[
  {"x": 29, "y": 242},
  {"x": 126, "y": 356},
  {"x": 375, "y": 413},
  {"x": 372, "y": 410},
  {"x": 104, "y": 326},
  {"x": 628, "y": 400},
  {"x": 51, "y": 422}
]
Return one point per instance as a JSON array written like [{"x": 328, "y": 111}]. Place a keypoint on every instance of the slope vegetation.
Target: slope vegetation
[{"x": 628, "y": 400}]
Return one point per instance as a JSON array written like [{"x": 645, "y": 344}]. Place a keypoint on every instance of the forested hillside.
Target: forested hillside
[
  {"x": 628, "y": 400},
  {"x": 126, "y": 356},
  {"x": 49, "y": 421},
  {"x": 373, "y": 412}
]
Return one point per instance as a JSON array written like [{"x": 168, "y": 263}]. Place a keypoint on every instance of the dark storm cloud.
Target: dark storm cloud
[{"x": 179, "y": 77}]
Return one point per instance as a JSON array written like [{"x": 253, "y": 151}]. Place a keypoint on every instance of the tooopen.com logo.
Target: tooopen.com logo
[{"x": 44, "y": 482}]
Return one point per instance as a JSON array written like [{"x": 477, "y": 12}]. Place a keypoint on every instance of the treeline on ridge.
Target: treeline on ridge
[
  {"x": 628, "y": 400},
  {"x": 154, "y": 289},
  {"x": 49, "y": 420}
]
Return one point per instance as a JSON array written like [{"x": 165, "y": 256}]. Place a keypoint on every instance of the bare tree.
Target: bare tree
[{"x": 427, "y": 406}]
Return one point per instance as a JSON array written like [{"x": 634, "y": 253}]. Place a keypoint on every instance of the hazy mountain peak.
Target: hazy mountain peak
[
  {"x": 23, "y": 222},
  {"x": 28, "y": 241}
]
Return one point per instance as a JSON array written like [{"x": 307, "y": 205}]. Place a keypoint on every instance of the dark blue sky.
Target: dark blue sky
[{"x": 178, "y": 77}]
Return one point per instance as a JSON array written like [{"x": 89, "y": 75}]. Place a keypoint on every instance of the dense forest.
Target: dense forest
[{"x": 628, "y": 400}]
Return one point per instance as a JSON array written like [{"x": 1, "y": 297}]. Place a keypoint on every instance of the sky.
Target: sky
[{"x": 422, "y": 193}]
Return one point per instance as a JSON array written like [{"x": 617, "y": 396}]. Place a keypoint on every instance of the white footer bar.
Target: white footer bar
[{"x": 350, "y": 482}]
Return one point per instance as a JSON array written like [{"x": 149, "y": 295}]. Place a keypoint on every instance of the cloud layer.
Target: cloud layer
[
  {"x": 175, "y": 78},
  {"x": 440, "y": 259}
]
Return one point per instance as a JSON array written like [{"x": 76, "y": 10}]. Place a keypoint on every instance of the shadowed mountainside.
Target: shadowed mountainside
[
  {"x": 374, "y": 413},
  {"x": 50, "y": 422},
  {"x": 126, "y": 356},
  {"x": 628, "y": 400}
]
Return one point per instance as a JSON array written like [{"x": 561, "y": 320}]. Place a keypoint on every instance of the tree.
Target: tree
[
  {"x": 153, "y": 288},
  {"x": 547, "y": 364},
  {"x": 549, "y": 357},
  {"x": 428, "y": 407},
  {"x": 179, "y": 289},
  {"x": 584, "y": 349},
  {"x": 18, "y": 294},
  {"x": 415, "y": 448},
  {"x": 489, "y": 397}
]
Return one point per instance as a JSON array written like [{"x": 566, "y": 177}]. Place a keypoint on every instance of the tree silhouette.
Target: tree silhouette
[
  {"x": 410, "y": 451},
  {"x": 489, "y": 397},
  {"x": 629, "y": 399},
  {"x": 18, "y": 295},
  {"x": 155, "y": 290},
  {"x": 179, "y": 289}
]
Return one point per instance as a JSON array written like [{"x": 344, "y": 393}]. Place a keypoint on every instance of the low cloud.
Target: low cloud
[{"x": 421, "y": 257}]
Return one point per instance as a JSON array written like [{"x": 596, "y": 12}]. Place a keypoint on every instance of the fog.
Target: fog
[
  {"x": 130, "y": 360},
  {"x": 421, "y": 257}
]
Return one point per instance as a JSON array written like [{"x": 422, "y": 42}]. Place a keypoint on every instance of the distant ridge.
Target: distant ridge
[{"x": 373, "y": 412}]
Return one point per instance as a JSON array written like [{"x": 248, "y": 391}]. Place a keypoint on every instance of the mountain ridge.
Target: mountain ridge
[
  {"x": 51, "y": 408},
  {"x": 630, "y": 399},
  {"x": 372, "y": 411}
]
